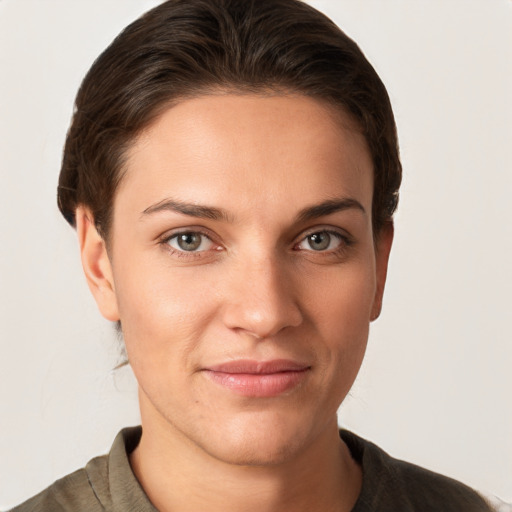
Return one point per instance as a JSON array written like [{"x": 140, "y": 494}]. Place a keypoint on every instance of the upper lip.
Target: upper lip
[{"x": 249, "y": 366}]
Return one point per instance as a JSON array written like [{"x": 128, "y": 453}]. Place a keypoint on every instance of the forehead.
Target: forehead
[{"x": 219, "y": 148}]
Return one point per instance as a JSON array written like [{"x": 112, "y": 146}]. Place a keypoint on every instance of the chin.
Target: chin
[
  {"x": 262, "y": 451},
  {"x": 258, "y": 440}
]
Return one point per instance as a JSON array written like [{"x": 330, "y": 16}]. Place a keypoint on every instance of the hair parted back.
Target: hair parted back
[{"x": 184, "y": 48}]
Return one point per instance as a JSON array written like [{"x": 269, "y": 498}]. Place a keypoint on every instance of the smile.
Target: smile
[{"x": 258, "y": 379}]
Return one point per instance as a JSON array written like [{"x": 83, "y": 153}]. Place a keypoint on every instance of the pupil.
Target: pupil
[
  {"x": 189, "y": 241},
  {"x": 319, "y": 241}
]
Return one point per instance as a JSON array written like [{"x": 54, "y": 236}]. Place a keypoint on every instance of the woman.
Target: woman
[{"x": 232, "y": 172}]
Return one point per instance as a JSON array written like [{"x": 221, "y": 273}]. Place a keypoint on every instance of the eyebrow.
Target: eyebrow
[
  {"x": 190, "y": 209},
  {"x": 323, "y": 209},
  {"x": 328, "y": 208}
]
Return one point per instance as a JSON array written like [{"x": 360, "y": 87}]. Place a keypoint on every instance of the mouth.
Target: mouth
[{"x": 258, "y": 379}]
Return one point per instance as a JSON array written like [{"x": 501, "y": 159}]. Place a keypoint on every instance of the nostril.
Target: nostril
[{"x": 262, "y": 320}]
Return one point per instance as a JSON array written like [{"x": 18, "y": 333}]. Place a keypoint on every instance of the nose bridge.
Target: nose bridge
[{"x": 262, "y": 298}]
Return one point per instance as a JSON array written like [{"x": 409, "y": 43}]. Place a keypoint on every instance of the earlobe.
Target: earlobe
[
  {"x": 96, "y": 264},
  {"x": 383, "y": 245}
]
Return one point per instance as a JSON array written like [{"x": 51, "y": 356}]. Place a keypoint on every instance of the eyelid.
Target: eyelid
[
  {"x": 186, "y": 229},
  {"x": 173, "y": 233},
  {"x": 324, "y": 229},
  {"x": 203, "y": 240},
  {"x": 345, "y": 238}
]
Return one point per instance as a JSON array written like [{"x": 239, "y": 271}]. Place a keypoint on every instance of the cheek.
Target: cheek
[
  {"x": 343, "y": 300},
  {"x": 342, "y": 316},
  {"x": 163, "y": 313}
]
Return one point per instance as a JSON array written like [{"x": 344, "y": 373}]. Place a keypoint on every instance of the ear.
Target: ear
[
  {"x": 96, "y": 264},
  {"x": 383, "y": 243}
]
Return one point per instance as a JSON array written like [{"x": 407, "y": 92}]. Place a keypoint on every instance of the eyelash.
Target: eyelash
[
  {"x": 165, "y": 241},
  {"x": 344, "y": 243}
]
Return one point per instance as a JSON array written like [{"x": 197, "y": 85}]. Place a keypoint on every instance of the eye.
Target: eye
[
  {"x": 190, "y": 241},
  {"x": 321, "y": 241}
]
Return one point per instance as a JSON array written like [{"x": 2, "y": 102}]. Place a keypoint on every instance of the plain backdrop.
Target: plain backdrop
[{"x": 436, "y": 385}]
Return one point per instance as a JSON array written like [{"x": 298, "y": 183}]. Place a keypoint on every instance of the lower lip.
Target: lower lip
[{"x": 260, "y": 385}]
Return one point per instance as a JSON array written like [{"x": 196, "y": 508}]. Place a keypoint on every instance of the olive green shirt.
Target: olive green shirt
[{"x": 107, "y": 483}]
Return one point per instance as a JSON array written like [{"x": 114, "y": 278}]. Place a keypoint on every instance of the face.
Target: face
[{"x": 244, "y": 272}]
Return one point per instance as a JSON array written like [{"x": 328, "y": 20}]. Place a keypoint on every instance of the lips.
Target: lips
[{"x": 259, "y": 379}]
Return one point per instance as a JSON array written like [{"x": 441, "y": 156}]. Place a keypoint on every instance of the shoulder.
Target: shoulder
[
  {"x": 428, "y": 490},
  {"x": 106, "y": 483},
  {"x": 393, "y": 484},
  {"x": 71, "y": 493}
]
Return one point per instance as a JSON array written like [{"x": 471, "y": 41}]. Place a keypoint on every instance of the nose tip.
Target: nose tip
[
  {"x": 263, "y": 301},
  {"x": 266, "y": 321}
]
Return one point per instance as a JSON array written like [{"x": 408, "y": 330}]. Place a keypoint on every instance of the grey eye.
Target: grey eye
[
  {"x": 319, "y": 241},
  {"x": 190, "y": 242}
]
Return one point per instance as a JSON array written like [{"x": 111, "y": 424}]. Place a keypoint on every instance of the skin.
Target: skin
[{"x": 258, "y": 287}]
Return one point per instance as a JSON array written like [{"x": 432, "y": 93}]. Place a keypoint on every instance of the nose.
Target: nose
[{"x": 261, "y": 299}]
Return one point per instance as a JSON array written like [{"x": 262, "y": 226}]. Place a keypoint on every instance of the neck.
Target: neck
[{"x": 177, "y": 475}]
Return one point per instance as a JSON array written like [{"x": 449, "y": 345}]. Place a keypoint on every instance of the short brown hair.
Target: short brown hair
[{"x": 183, "y": 48}]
